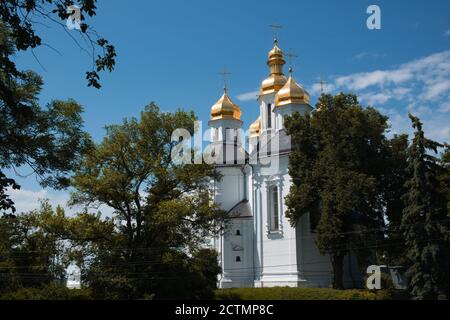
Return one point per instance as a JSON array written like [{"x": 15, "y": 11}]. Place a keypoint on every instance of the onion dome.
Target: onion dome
[
  {"x": 291, "y": 93},
  {"x": 276, "y": 79},
  {"x": 255, "y": 128},
  {"x": 224, "y": 108}
]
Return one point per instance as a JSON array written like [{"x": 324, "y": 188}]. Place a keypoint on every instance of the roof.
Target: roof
[
  {"x": 241, "y": 210},
  {"x": 280, "y": 143}
]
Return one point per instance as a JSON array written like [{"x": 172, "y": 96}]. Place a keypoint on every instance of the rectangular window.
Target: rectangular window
[
  {"x": 228, "y": 134},
  {"x": 235, "y": 148},
  {"x": 274, "y": 214},
  {"x": 269, "y": 116}
]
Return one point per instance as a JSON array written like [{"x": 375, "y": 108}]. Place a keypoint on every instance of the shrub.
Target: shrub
[
  {"x": 285, "y": 293},
  {"x": 48, "y": 292}
]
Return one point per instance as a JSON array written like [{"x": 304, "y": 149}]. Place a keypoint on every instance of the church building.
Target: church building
[{"x": 260, "y": 247}]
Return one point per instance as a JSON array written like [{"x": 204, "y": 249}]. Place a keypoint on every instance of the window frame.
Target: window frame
[
  {"x": 274, "y": 209},
  {"x": 269, "y": 115}
]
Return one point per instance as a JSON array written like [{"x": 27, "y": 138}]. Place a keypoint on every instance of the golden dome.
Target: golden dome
[
  {"x": 272, "y": 84},
  {"x": 291, "y": 93},
  {"x": 224, "y": 108},
  {"x": 276, "y": 52},
  {"x": 276, "y": 79},
  {"x": 255, "y": 128}
]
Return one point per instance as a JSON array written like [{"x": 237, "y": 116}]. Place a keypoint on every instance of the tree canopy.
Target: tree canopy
[
  {"x": 163, "y": 211},
  {"x": 382, "y": 198},
  {"x": 336, "y": 168},
  {"x": 46, "y": 140}
]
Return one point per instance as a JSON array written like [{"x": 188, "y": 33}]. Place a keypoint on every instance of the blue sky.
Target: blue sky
[{"x": 171, "y": 52}]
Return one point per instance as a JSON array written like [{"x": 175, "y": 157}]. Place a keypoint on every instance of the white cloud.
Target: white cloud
[
  {"x": 427, "y": 70},
  {"x": 447, "y": 33},
  {"x": 375, "y": 98},
  {"x": 436, "y": 128},
  {"x": 316, "y": 88},
  {"x": 436, "y": 89},
  {"x": 28, "y": 200},
  {"x": 248, "y": 96},
  {"x": 364, "y": 80},
  {"x": 373, "y": 55},
  {"x": 445, "y": 107},
  {"x": 421, "y": 86},
  {"x": 401, "y": 92}
]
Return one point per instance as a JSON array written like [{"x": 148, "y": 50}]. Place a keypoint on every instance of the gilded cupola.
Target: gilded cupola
[
  {"x": 255, "y": 128},
  {"x": 276, "y": 79},
  {"x": 291, "y": 93},
  {"x": 224, "y": 108}
]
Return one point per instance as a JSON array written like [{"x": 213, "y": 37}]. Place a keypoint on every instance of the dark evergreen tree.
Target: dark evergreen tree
[
  {"x": 393, "y": 182},
  {"x": 425, "y": 224},
  {"x": 444, "y": 177}
]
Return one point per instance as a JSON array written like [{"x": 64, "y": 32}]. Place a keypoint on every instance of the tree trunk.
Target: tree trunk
[{"x": 337, "y": 261}]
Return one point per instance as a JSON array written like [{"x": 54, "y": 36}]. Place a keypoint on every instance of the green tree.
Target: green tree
[
  {"x": 425, "y": 223},
  {"x": 37, "y": 246},
  {"x": 47, "y": 140},
  {"x": 336, "y": 167},
  {"x": 20, "y": 18},
  {"x": 393, "y": 188},
  {"x": 30, "y": 256},
  {"x": 444, "y": 176},
  {"x": 163, "y": 210}
]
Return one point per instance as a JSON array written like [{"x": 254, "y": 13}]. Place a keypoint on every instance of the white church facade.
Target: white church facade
[{"x": 260, "y": 247}]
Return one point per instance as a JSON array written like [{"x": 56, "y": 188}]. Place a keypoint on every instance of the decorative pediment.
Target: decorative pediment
[{"x": 236, "y": 247}]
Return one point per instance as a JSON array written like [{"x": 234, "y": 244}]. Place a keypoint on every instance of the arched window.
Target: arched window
[
  {"x": 238, "y": 232},
  {"x": 238, "y": 259}
]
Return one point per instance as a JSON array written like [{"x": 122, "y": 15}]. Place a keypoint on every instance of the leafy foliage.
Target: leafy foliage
[
  {"x": 48, "y": 292},
  {"x": 21, "y": 16},
  {"x": 30, "y": 256},
  {"x": 49, "y": 141},
  {"x": 337, "y": 168},
  {"x": 303, "y": 294},
  {"x": 425, "y": 223},
  {"x": 163, "y": 211},
  {"x": 393, "y": 182}
]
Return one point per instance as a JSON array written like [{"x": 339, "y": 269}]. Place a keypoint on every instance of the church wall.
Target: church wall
[
  {"x": 230, "y": 190},
  {"x": 315, "y": 268},
  {"x": 278, "y": 261},
  {"x": 263, "y": 111},
  {"x": 238, "y": 268},
  {"x": 236, "y": 247}
]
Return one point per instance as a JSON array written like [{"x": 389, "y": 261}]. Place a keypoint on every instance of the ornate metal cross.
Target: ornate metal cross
[
  {"x": 323, "y": 84},
  {"x": 275, "y": 27},
  {"x": 225, "y": 73},
  {"x": 291, "y": 55}
]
